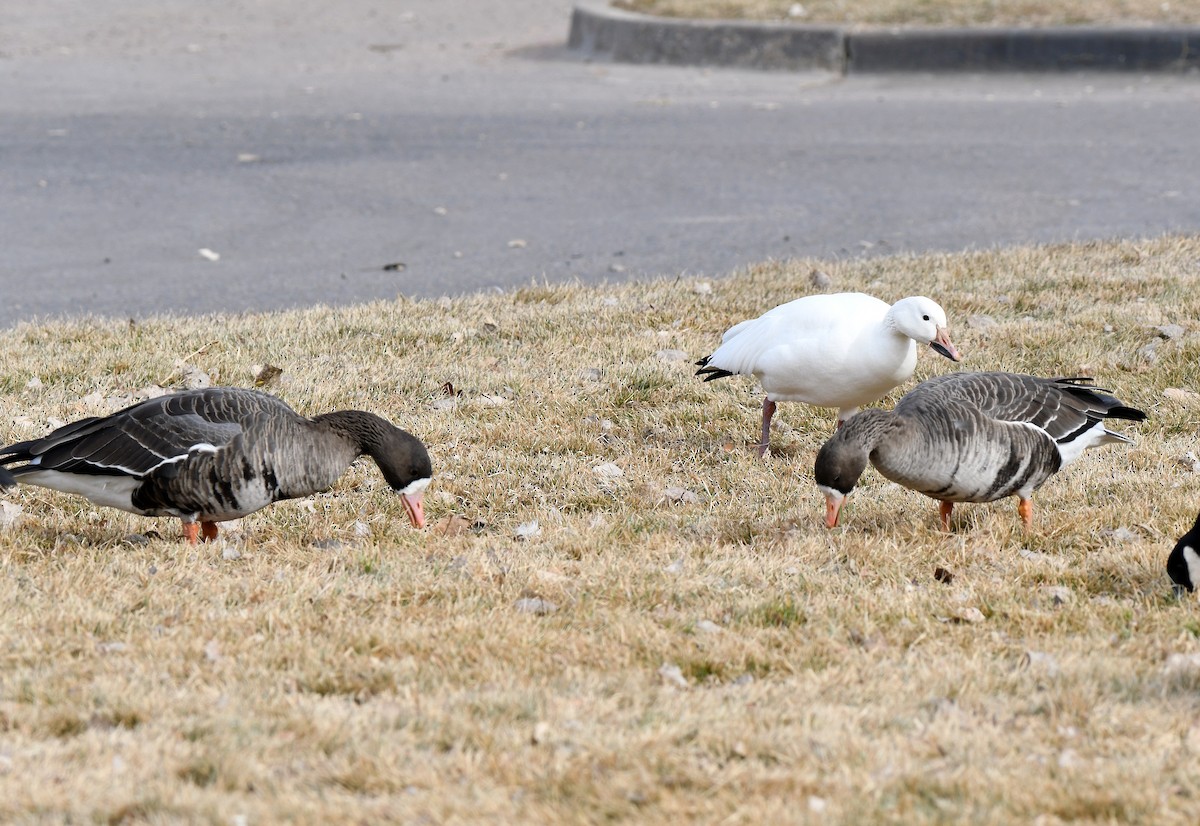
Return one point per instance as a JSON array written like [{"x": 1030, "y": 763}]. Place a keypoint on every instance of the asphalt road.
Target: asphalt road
[{"x": 311, "y": 144}]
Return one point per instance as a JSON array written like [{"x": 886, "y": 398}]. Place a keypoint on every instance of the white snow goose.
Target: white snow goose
[
  {"x": 972, "y": 437},
  {"x": 844, "y": 351},
  {"x": 1183, "y": 565},
  {"x": 219, "y": 453}
]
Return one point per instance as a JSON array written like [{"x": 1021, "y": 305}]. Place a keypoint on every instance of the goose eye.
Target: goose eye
[{"x": 924, "y": 318}]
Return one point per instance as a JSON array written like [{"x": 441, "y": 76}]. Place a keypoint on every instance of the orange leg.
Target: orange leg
[
  {"x": 1025, "y": 509},
  {"x": 208, "y": 530},
  {"x": 191, "y": 530},
  {"x": 944, "y": 510}
]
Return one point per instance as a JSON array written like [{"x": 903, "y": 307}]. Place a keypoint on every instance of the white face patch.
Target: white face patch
[
  {"x": 415, "y": 487},
  {"x": 831, "y": 494},
  {"x": 1193, "y": 564}
]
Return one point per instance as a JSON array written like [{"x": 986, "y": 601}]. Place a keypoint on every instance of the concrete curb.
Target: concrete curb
[
  {"x": 600, "y": 31},
  {"x": 1022, "y": 50}
]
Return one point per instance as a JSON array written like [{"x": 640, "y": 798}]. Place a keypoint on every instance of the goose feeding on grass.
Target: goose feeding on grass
[
  {"x": 215, "y": 454},
  {"x": 843, "y": 351},
  {"x": 1183, "y": 565},
  {"x": 971, "y": 437}
]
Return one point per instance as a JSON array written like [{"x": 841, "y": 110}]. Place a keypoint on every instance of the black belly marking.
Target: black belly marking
[
  {"x": 1006, "y": 478},
  {"x": 222, "y": 490}
]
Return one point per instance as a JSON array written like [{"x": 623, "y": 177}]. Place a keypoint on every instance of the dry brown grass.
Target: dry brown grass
[
  {"x": 822, "y": 676},
  {"x": 933, "y": 12}
]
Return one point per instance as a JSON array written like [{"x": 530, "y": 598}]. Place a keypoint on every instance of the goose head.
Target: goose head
[
  {"x": 924, "y": 321},
  {"x": 840, "y": 463},
  {"x": 404, "y": 463},
  {"x": 401, "y": 456}
]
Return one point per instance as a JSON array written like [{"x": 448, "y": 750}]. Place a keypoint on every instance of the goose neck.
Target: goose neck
[
  {"x": 364, "y": 430},
  {"x": 868, "y": 427}
]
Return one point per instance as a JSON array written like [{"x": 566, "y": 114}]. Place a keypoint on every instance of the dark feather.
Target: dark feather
[
  {"x": 711, "y": 373},
  {"x": 134, "y": 441},
  {"x": 214, "y": 454}
]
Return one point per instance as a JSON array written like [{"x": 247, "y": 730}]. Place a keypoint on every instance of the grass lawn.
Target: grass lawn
[
  {"x": 934, "y": 12},
  {"x": 679, "y": 639}
]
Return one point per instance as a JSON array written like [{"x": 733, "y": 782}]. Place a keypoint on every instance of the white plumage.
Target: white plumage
[{"x": 842, "y": 351}]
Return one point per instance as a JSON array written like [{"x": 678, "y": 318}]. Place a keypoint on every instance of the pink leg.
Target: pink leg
[
  {"x": 768, "y": 412},
  {"x": 208, "y": 530}
]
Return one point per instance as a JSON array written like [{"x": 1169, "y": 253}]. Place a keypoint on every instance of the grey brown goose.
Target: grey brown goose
[
  {"x": 843, "y": 351},
  {"x": 215, "y": 454},
  {"x": 972, "y": 437}
]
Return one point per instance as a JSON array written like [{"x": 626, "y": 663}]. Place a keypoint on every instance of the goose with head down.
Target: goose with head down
[
  {"x": 842, "y": 351},
  {"x": 210, "y": 455},
  {"x": 972, "y": 437}
]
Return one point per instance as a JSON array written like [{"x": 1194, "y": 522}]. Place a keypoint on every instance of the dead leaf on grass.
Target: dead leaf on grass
[
  {"x": 541, "y": 733},
  {"x": 453, "y": 525},
  {"x": 679, "y": 495},
  {"x": 191, "y": 376},
  {"x": 672, "y": 675},
  {"x": 967, "y": 615},
  {"x": 535, "y": 605},
  {"x": 527, "y": 530},
  {"x": 1178, "y": 394},
  {"x": 265, "y": 374},
  {"x": 608, "y": 470},
  {"x": 10, "y": 514}
]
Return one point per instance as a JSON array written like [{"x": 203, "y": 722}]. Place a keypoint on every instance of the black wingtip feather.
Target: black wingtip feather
[
  {"x": 710, "y": 373},
  {"x": 16, "y": 452},
  {"x": 1130, "y": 413},
  {"x": 1100, "y": 397}
]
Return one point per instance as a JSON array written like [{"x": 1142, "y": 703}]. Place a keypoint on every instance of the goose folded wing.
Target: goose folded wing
[
  {"x": 1063, "y": 407},
  {"x": 132, "y": 442}
]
